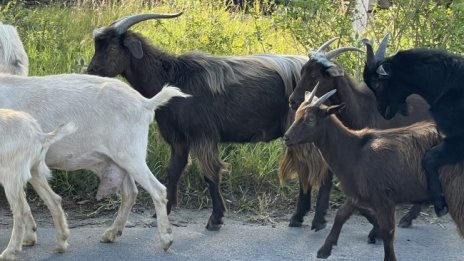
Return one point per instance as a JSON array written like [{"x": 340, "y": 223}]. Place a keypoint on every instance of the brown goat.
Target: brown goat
[
  {"x": 377, "y": 169},
  {"x": 360, "y": 113}
]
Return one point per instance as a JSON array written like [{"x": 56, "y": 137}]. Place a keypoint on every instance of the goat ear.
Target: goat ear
[
  {"x": 134, "y": 46},
  {"x": 334, "y": 109},
  {"x": 335, "y": 71},
  {"x": 382, "y": 72}
]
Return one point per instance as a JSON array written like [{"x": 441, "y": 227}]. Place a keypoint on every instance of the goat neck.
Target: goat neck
[
  {"x": 150, "y": 73},
  {"x": 340, "y": 148}
]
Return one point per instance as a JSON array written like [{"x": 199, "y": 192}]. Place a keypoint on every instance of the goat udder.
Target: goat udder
[{"x": 110, "y": 182}]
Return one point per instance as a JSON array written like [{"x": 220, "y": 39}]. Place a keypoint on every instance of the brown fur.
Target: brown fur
[
  {"x": 305, "y": 162},
  {"x": 377, "y": 169}
]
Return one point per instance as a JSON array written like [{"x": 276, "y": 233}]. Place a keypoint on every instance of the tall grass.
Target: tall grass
[{"x": 58, "y": 39}]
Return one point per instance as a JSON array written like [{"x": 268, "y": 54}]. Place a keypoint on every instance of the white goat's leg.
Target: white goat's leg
[
  {"x": 142, "y": 175},
  {"x": 18, "y": 204},
  {"x": 53, "y": 202},
  {"x": 129, "y": 193},
  {"x": 30, "y": 230}
]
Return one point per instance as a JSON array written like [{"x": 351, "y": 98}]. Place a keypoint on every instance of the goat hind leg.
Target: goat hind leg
[
  {"x": 386, "y": 218},
  {"x": 449, "y": 151},
  {"x": 128, "y": 193},
  {"x": 212, "y": 167},
  {"x": 140, "y": 173},
  {"x": 30, "y": 230}
]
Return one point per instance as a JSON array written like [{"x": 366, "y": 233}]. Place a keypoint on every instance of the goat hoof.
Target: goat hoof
[
  {"x": 295, "y": 222},
  {"x": 213, "y": 227},
  {"x": 404, "y": 223},
  {"x": 324, "y": 252},
  {"x": 214, "y": 223},
  {"x": 316, "y": 226},
  {"x": 441, "y": 209},
  {"x": 166, "y": 241}
]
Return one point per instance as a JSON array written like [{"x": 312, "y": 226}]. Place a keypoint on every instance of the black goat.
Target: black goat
[
  {"x": 235, "y": 99},
  {"x": 437, "y": 76},
  {"x": 361, "y": 108}
]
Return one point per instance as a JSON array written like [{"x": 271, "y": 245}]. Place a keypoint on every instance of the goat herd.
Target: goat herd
[{"x": 101, "y": 124}]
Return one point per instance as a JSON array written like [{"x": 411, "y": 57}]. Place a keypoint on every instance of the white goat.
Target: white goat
[
  {"x": 113, "y": 120},
  {"x": 13, "y": 57},
  {"x": 23, "y": 147}
]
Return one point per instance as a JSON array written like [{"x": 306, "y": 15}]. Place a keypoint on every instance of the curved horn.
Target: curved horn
[
  {"x": 313, "y": 93},
  {"x": 337, "y": 52},
  {"x": 380, "y": 53},
  {"x": 326, "y": 44},
  {"x": 370, "y": 58},
  {"x": 324, "y": 98},
  {"x": 123, "y": 24}
]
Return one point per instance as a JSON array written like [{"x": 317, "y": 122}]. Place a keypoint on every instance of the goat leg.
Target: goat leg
[
  {"x": 322, "y": 203},
  {"x": 342, "y": 215},
  {"x": 303, "y": 205},
  {"x": 413, "y": 213}
]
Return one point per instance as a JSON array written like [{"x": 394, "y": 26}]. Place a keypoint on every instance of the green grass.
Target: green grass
[{"x": 59, "y": 40}]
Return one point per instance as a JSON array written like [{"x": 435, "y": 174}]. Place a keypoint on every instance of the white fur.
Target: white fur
[
  {"x": 13, "y": 57},
  {"x": 113, "y": 121},
  {"x": 23, "y": 147}
]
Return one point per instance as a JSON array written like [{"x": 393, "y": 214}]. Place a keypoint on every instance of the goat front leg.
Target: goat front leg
[
  {"x": 53, "y": 202},
  {"x": 386, "y": 219},
  {"x": 17, "y": 199},
  {"x": 303, "y": 205},
  {"x": 322, "y": 203},
  {"x": 342, "y": 215}
]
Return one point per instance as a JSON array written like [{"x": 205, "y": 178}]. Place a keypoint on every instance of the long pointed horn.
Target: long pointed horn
[
  {"x": 122, "y": 25},
  {"x": 324, "y": 98},
  {"x": 326, "y": 44},
  {"x": 313, "y": 93},
  {"x": 370, "y": 58},
  {"x": 380, "y": 53},
  {"x": 334, "y": 53}
]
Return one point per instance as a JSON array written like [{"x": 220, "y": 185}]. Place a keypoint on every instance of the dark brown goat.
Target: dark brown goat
[
  {"x": 360, "y": 100},
  {"x": 377, "y": 169},
  {"x": 234, "y": 99}
]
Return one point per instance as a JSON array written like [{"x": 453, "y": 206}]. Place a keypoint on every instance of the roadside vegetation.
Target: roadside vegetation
[{"x": 58, "y": 39}]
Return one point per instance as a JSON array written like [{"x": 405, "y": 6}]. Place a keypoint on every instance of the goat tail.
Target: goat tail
[
  {"x": 164, "y": 96},
  {"x": 60, "y": 132},
  {"x": 48, "y": 139},
  {"x": 305, "y": 162}
]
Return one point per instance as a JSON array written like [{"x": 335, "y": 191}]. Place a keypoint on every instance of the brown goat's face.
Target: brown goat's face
[
  {"x": 111, "y": 58},
  {"x": 313, "y": 72},
  {"x": 304, "y": 127},
  {"x": 309, "y": 123}
]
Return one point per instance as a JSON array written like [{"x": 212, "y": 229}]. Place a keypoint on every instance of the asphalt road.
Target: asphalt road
[{"x": 239, "y": 239}]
